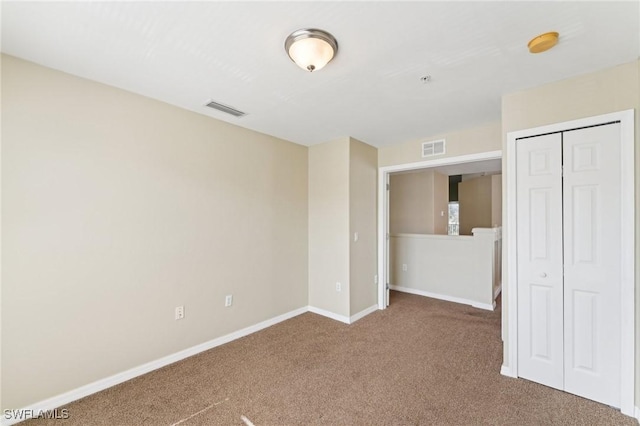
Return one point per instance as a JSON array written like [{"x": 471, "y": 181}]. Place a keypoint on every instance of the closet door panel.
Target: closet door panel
[
  {"x": 591, "y": 187},
  {"x": 539, "y": 209}
]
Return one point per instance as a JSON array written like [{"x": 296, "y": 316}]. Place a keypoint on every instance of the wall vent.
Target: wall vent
[
  {"x": 224, "y": 108},
  {"x": 429, "y": 149}
]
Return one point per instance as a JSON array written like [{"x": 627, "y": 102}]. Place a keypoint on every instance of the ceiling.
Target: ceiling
[{"x": 185, "y": 53}]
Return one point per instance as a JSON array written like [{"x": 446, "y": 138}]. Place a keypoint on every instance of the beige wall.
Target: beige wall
[
  {"x": 443, "y": 266},
  {"x": 474, "y": 198},
  {"x": 440, "y": 204},
  {"x": 416, "y": 200},
  {"x": 411, "y": 203},
  {"x": 462, "y": 142},
  {"x": 609, "y": 90},
  {"x": 363, "y": 219},
  {"x": 496, "y": 201},
  {"x": 118, "y": 208},
  {"x": 329, "y": 226},
  {"x": 342, "y": 201}
]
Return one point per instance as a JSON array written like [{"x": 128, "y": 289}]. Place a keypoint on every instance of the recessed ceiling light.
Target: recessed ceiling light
[{"x": 543, "y": 42}]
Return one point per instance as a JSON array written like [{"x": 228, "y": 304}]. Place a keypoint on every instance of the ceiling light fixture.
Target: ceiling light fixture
[
  {"x": 311, "y": 49},
  {"x": 543, "y": 42}
]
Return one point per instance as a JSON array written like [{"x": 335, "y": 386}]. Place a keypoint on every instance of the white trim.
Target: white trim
[
  {"x": 497, "y": 292},
  {"x": 469, "y": 158},
  {"x": 506, "y": 371},
  {"x": 637, "y": 416},
  {"x": 329, "y": 314},
  {"x": 363, "y": 313},
  {"x": 510, "y": 262},
  {"x": 383, "y": 224},
  {"x": 383, "y": 205},
  {"x": 485, "y": 306},
  {"x": 627, "y": 170},
  {"x": 627, "y": 260},
  {"x": 102, "y": 384}
]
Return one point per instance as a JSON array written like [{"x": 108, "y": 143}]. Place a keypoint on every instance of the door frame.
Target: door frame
[
  {"x": 383, "y": 207},
  {"x": 627, "y": 247}
]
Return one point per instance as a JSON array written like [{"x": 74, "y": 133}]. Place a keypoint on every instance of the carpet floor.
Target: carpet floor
[{"x": 420, "y": 362}]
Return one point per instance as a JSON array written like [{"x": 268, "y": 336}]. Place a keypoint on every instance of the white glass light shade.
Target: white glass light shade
[
  {"x": 311, "y": 49},
  {"x": 311, "y": 54}
]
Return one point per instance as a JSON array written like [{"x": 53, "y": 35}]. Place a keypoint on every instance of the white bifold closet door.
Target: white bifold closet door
[{"x": 568, "y": 241}]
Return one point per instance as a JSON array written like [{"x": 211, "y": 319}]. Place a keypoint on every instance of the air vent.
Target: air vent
[
  {"x": 429, "y": 149},
  {"x": 224, "y": 108}
]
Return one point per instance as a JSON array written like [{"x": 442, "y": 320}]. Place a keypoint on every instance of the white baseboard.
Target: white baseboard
[
  {"x": 485, "y": 306},
  {"x": 497, "y": 292},
  {"x": 363, "y": 313},
  {"x": 637, "y": 416},
  {"x": 329, "y": 314},
  {"x": 506, "y": 371},
  {"x": 102, "y": 384},
  {"x": 91, "y": 388},
  {"x": 342, "y": 318}
]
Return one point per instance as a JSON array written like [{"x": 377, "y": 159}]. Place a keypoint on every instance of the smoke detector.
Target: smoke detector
[{"x": 543, "y": 42}]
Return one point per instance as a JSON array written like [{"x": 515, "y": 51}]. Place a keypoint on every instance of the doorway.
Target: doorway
[{"x": 383, "y": 209}]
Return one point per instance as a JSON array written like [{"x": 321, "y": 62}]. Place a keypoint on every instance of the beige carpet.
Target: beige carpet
[{"x": 422, "y": 361}]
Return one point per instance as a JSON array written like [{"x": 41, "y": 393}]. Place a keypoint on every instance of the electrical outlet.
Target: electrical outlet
[
  {"x": 404, "y": 267},
  {"x": 355, "y": 237},
  {"x": 228, "y": 300},
  {"x": 338, "y": 287},
  {"x": 179, "y": 312}
]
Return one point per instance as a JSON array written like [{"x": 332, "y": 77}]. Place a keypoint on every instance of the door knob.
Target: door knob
[{"x": 543, "y": 275}]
